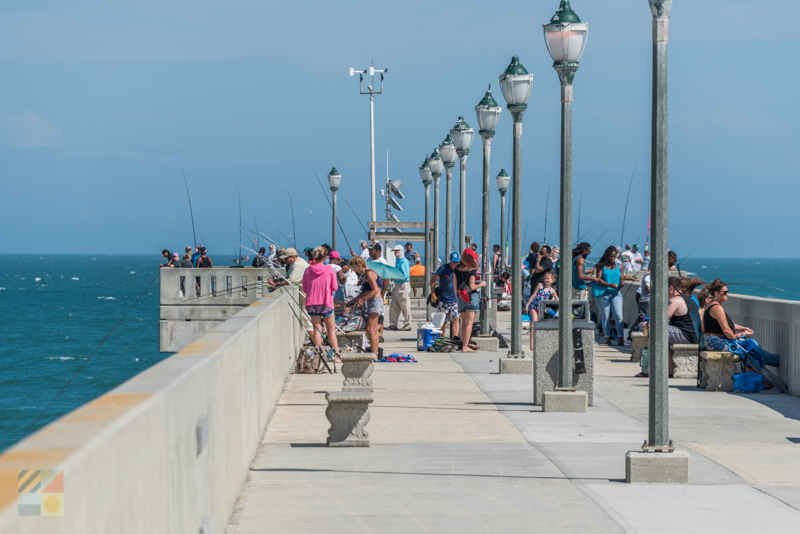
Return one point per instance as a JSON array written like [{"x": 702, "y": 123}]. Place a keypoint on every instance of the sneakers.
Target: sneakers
[
  {"x": 391, "y": 327},
  {"x": 406, "y": 328}
]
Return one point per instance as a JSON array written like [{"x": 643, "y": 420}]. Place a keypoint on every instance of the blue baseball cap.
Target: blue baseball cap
[{"x": 454, "y": 256}]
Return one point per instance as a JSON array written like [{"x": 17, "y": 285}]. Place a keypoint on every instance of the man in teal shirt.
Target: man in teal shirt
[{"x": 401, "y": 295}]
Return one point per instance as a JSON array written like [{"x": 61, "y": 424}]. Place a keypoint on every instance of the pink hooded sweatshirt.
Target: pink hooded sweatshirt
[{"x": 319, "y": 285}]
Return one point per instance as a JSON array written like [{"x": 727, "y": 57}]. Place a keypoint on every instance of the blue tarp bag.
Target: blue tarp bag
[{"x": 747, "y": 383}]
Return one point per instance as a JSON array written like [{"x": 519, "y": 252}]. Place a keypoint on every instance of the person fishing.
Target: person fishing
[
  {"x": 167, "y": 256},
  {"x": 319, "y": 284},
  {"x": 580, "y": 279},
  {"x": 204, "y": 261},
  {"x": 370, "y": 300}
]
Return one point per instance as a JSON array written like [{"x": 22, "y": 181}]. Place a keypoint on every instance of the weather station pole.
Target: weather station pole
[
  {"x": 334, "y": 179},
  {"x": 565, "y": 36},
  {"x": 371, "y": 92},
  {"x": 516, "y": 84},
  {"x": 488, "y": 114}
]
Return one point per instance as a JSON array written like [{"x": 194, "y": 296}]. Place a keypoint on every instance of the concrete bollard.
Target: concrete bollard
[
  {"x": 545, "y": 361},
  {"x": 639, "y": 341}
]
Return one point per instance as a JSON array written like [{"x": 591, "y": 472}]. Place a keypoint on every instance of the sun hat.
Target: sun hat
[
  {"x": 288, "y": 253},
  {"x": 397, "y": 248}
]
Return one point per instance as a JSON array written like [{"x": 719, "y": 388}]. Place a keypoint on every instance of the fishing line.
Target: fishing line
[
  {"x": 90, "y": 356},
  {"x": 294, "y": 230},
  {"x": 191, "y": 213},
  {"x": 344, "y": 234},
  {"x": 625, "y": 213},
  {"x": 356, "y": 216}
]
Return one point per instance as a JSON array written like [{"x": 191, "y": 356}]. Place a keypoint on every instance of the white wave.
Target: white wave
[
  {"x": 75, "y": 278},
  {"x": 22, "y": 279},
  {"x": 704, "y": 267},
  {"x": 110, "y": 298},
  {"x": 2, "y": 289},
  {"x": 101, "y": 297},
  {"x": 60, "y": 358},
  {"x": 133, "y": 272},
  {"x": 137, "y": 359},
  {"x": 36, "y": 279}
]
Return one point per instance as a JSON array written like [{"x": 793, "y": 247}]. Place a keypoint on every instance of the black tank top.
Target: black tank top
[
  {"x": 684, "y": 322},
  {"x": 204, "y": 261},
  {"x": 711, "y": 325}
]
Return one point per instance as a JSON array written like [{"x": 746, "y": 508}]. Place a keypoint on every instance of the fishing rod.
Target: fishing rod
[
  {"x": 191, "y": 213},
  {"x": 288, "y": 240},
  {"x": 294, "y": 230},
  {"x": 678, "y": 263},
  {"x": 255, "y": 237},
  {"x": 599, "y": 238},
  {"x": 525, "y": 235},
  {"x": 546, "y": 206},
  {"x": 580, "y": 208},
  {"x": 355, "y": 215},
  {"x": 582, "y": 236},
  {"x": 344, "y": 234},
  {"x": 625, "y": 213}
]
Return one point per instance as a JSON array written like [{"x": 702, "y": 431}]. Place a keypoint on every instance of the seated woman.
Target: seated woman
[{"x": 719, "y": 328}]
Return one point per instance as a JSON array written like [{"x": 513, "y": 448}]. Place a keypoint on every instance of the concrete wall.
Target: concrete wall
[
  {"x": 130, "y": 457},
  {"x": 194, "y": 301},
  {"x": 776, "y": 324}
]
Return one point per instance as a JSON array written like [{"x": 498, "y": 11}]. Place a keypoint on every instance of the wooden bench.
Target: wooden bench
[
  {"x": 718, "y": 369},
  {"x": 417, "y": 282}
]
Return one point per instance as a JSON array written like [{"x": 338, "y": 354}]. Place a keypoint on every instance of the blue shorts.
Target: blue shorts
[
  {"x": 473, "y": 305},
  {"x": 319, "y": 310}
]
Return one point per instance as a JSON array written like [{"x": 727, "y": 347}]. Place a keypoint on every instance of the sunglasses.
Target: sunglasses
[{"x": 723, "y": 292}]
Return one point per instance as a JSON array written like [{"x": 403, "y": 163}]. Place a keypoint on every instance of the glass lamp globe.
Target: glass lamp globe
[
  {"x": 435, "y": 162},
  {"x": 462, "y": 134},
  {"x": 425, "y": 173},
  {"x": 516, "y": 83},
  {"x": 488, "y": 112},
  {"x": 503, "y": 181},
  {"x": 565, "y": 35},
  {"x": 448, "y": 151},
  {"x": 334, "y": 178}
]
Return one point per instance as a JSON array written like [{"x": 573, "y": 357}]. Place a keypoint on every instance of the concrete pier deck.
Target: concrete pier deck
[{"x": 457, "y": 447}]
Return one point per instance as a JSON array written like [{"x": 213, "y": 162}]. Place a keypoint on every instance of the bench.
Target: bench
[
  {"x": 684, "y": 356},
  {"x": 718, "y": 369},
  {"x": 417, "y": 281}
]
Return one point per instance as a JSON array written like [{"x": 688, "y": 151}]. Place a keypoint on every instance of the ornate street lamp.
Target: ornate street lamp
[
  {"x": 334, "y": 178},
  {"x": 565, "y": 36},
  {"x": 516, "y": 85},
  {"x": 502, "y": 185},
  {"x": 449, "y": 156},
  {"x": 462, "y": 138},
  {"x": 488, "y": 114},
  {"x": 427, "y": 178},
  {"x": 437, "y": 166}
]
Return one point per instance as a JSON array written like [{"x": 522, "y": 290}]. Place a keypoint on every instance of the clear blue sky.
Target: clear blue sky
[{"x": 103, "y": 104}]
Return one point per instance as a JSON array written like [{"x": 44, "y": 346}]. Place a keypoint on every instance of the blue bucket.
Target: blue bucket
[{"x": 425, "y": 339}]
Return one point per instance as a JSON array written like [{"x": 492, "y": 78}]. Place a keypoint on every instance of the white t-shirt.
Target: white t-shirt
[
  {"x": 379, "y": 260},
  {"x": 627, "y": 260},
  {"x": 636, "y": 266},
  {"x": 365, "y": 254}
]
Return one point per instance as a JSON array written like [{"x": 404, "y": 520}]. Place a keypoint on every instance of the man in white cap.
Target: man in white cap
[
  {"x": 295, "y": 269},
  {"x": 401, "y": 295}
]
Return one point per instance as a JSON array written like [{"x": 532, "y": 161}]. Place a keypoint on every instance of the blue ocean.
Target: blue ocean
[{"x": 57, "y": 309}]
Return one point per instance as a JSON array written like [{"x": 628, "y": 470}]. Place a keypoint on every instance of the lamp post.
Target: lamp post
[
  {"x": 516, "y": 85},
  {"x": 565, "y": 36},
  {"x": 502, "y": 185},
  {"x": 658, "y": 427},
  {"x": 427, "y": 177},
  {"x": 334, "y": 178},
  {"x": 437, "y": 166},
  {"x": 488, "y": 113},
  {"x": 448, "y": 151},
  {"x": 462, "y": 138}
]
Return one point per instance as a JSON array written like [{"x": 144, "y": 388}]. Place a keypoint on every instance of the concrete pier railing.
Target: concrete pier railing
[
  {"x": 775, "y": 323},
  {"x": 193, "y": 301},
  {"x": 168, "y": 450}
]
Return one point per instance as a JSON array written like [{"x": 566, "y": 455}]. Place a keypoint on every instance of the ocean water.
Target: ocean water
[{"x": 56, "y": 309}]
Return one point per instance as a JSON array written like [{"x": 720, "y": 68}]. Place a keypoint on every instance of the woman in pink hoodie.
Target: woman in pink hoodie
[{"x": 319, "y": 285}]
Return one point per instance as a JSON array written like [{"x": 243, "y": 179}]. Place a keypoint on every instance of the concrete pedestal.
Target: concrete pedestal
[
  {"x": 639, "y": 341},
  {"x": 565, "y": 401},
  {"x": 488, "y": 343},
  {"x": 545, "y": 361},
  {"x": 685, "y": 359},
  {"x": 348, "y": 414},
  {"x": 516, "y": 366},
  {"x": 357, "y": 369},
  {"x": 658, "y": 467}
]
